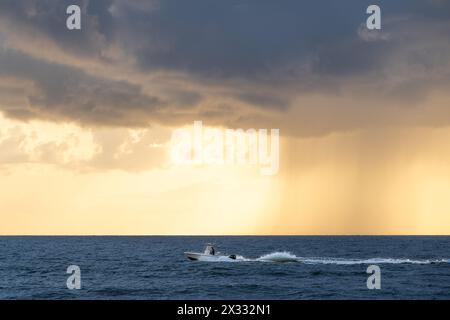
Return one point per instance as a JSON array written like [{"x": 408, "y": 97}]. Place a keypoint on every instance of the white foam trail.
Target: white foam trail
[
  {"x": 285, "y": 256},
  {"x": 367, "y": 261},
  {"x": 278, "y": 257}
]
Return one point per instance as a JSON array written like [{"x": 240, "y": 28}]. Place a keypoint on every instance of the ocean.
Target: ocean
[{"x": 281, "y": 267}]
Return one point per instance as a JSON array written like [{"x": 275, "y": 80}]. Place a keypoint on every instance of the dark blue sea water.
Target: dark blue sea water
[{"x": 266, "y": 268}]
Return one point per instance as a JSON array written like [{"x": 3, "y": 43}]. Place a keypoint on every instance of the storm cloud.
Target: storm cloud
[{"x": 301, "y": 65}]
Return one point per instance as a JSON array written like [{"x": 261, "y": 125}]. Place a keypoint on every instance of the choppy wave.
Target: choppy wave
[{"x": 284, "y": 256}]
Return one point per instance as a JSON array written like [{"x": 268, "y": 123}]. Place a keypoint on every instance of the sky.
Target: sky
[{"x": 87, "y": 116}]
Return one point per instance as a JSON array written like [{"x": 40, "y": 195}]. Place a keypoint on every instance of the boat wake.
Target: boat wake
[
  {"x": 278, "y": 257},
  {"x": 284, "y": 256}
]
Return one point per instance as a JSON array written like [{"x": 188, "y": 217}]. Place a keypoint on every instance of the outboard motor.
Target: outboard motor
[{"x": 233, "y": 256}]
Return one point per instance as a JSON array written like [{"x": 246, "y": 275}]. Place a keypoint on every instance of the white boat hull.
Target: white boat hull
[{"x": 194, "y": 256}]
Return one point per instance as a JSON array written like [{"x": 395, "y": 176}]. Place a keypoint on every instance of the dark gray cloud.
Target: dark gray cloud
[
  {"x": 251, "y": 38},
  {"x": 62, "y": 92},
  {"x": 48, "y": 17},
  {"x": 261, "y": 55}
]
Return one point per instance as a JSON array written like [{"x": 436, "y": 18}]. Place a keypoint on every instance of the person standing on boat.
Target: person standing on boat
[{"x": 210, "y": 250}]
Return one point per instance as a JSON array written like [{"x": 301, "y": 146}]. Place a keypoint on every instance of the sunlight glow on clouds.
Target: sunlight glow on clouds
[
  {"x": 86, "y": 117},
  {"x": 79, "y": 148},
  {"x": 46, "y": 142}
]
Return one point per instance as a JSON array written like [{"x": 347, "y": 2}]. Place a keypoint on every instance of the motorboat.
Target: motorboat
[{"x": 209, "y": 254}]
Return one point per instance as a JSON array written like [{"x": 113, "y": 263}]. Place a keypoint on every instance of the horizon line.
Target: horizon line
[{"x": 226, "y": 235}]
